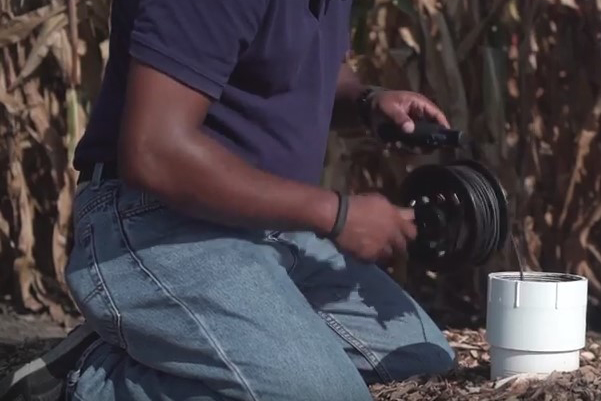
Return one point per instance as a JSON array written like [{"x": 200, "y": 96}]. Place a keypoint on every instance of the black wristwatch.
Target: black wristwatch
[{"x": 364, "y": 103}]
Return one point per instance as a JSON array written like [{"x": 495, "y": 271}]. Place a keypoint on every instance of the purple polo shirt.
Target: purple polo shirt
[{"x": 270, "y": 65}]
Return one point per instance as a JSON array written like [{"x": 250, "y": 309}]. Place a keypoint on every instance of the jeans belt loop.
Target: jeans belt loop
[{"x": 97, "y": 176}]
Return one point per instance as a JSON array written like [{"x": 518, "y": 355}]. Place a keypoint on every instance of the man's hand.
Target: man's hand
[
  {"x": 404, "y": 107},
  {"x": 376, "y": 230}
]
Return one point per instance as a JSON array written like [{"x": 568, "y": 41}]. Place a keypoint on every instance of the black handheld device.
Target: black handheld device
[
  {"x": 427, "y": 135},
  {"x": 460, "y": 208}
]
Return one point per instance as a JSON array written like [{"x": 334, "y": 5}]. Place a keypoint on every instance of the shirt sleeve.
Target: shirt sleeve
[{"x": 197, "y": 42}]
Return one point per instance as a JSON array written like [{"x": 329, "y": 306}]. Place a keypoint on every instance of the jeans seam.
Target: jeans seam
[
  {"x": 93, "y": 204},
  {"x": 139, "y": 210},
  {"x": 363, "y": 349},
  {"x": 214, "y": 343},
  {"x": 95, "y": 291},
  {"x": 84, "y": 234},
  {"x": 104, "y": 289}
]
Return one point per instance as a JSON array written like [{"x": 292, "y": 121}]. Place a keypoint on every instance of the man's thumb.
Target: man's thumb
[
  {"x": 408, "y": 126},
  {"x": 405, "y": 122}
]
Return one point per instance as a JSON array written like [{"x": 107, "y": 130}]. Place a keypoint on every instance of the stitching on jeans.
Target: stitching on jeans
[
  {"x": 363, "y": 349},
  {"x": 93, "y": 204},
  {"x": 111, "y": 303},
  {"x": 84, "y": 234},
  {"x": 185, "y": 307},
  {"x": 139, "y": 210},
  {"x": 95, "y": 291}
]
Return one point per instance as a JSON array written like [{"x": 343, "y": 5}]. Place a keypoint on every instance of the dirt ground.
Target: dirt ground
[
  {"x": 470, "y": 380},
  {"x": 24, "y": 337}
]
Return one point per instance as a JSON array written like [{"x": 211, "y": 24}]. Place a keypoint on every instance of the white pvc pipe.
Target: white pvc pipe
[{"x": 537, "y": 325}]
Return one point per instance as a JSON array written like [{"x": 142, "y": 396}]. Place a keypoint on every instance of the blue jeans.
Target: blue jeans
[{"x": 190, "y": 310}]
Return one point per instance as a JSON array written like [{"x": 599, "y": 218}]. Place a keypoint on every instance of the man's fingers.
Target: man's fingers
[
  {"x": 418, "y": 109},
  {"x": 407, "y": 214},
  {"x": 406, "y": 224},
  {"x": 386, "y": 253},
  {"x": 422, "y": 107},
  {"x": 401, "y": 117},
  {"x": 434, "y": 112},
  {"x": 409, "y": 229},
  {"x": 407, "y": 217},
  {"x": 399, "y": 243}
]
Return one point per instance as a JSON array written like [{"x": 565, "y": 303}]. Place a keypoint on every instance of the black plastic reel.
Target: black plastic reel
[{"x": 454, "y": 227}]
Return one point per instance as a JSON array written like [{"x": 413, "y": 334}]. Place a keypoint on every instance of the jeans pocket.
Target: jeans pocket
[
  {"x": 289, "y": 252},
  {"x": 134, "y": 203},
  {"x": 91, "y": 292}
]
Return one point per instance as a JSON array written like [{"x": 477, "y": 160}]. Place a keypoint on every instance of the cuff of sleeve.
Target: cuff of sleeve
[{"x": 175, "y": 68}]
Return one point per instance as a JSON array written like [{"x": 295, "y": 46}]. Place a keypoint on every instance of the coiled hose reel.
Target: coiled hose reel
[
  {"x": 460, "y": 213},
  {"x": 460, "y": 208}
]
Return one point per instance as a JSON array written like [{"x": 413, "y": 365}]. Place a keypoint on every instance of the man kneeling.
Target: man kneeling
[{"x": 208, "y": 262}]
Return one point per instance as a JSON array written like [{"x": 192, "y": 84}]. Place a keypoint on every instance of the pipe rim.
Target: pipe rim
[{"x": 537, "y": 277}]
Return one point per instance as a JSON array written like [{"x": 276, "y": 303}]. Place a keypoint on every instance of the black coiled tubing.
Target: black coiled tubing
[
  {"x": 486, "y": 218},
  {"x": 461, "y": 213}
]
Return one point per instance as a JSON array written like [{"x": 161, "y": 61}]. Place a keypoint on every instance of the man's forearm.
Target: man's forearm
[
  {"x": 203, "y": 179},
  {"x": 348, "y": 91}
]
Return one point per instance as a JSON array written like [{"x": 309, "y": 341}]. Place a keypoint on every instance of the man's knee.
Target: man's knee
[
  {"x": 427, "y": 358},
  {"x": 438, "y": 358}
]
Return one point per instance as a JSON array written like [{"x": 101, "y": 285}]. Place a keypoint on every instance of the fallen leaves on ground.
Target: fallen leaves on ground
[{"x": 470, "y": 380}]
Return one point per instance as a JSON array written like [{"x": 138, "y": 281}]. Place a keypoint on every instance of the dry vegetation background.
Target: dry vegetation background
[{"x": 522, "y": 77}]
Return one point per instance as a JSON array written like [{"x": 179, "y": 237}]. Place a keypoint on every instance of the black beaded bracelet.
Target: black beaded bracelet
[{"x": 343, "y": 204}]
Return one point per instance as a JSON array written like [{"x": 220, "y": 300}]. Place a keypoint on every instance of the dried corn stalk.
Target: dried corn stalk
[
  {"x": 522, "y": 78},
  {"x": 43, "y": 109}
]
